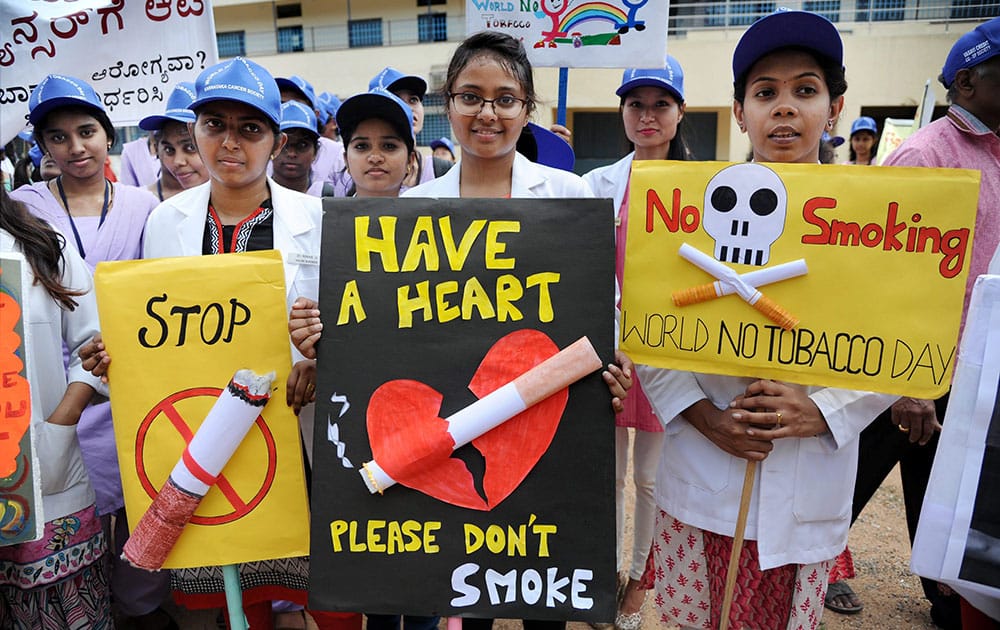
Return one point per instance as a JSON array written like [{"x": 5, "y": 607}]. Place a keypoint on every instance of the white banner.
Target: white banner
[
  {"x": 132, "y": 54},
  {"x": 958, "y": 539},
  {"x": 579, "y": 33}
]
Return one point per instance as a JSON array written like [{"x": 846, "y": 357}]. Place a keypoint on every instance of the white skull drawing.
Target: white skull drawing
[{"x": 745, "y": 206}]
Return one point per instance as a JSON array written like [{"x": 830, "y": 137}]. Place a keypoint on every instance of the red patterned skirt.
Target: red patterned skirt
[{"x": 688, "y": 570}]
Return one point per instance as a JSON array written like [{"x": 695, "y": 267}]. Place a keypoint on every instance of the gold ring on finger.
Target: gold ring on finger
[{"x": 904, "y": 429}]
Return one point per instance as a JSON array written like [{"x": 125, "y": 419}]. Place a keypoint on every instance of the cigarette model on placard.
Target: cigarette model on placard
[
  {"x": 745, "y": 285},
  {"x": 545, "y": 379},
  {"x": 198, "y": 468}
]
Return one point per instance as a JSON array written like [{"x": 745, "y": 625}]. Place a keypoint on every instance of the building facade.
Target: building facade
[{"x": 892, "y": 49}]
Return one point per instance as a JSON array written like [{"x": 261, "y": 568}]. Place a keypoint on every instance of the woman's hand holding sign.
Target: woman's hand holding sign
[
  {"x": 305, "y": 326},
  {"x": 729, "y": 429},
  {"x": 95, "y": 358},
  {"x": 773, "y": 410}
]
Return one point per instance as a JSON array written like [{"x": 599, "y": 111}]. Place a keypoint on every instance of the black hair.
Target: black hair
[
  {"x": 158, "y": 133},
  {"x": 100, "y": 115},
  {"x": 25, "y": 172},
  {"x": 854, "y": 156},
  {"x": 505, "y": 50},
  {"x": 680, "y": 146},
  {"x": 834, "y": 74},
  {"x": 42, "y": 247}
]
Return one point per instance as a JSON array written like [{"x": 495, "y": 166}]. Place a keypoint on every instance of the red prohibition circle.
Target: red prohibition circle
[{"x": 238, "y": 512}]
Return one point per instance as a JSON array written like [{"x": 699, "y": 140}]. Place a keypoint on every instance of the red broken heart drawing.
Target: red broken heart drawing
[{"x": 410, "y": 440}]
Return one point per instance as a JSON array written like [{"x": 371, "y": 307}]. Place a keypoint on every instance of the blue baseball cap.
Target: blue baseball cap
[
  {"x": 865, "y": 123},
  {"x": 393, "y": 80},
  {"x": 540, "y": 145},
  {"x": 443, "y": 142},
  {"x": 299, "y": 84},
  {"x": 785, "y": 28},
  {"x": 835, "y": 141},
  {"x": 178, "y": 104},
  {"x": 377, "y": 103},
  {"x": 295, "y": 115},
  {"x": 972, "y": 49},
  {"x": 670, "y": 78},
  {"x": 60, "y": 90},
  {"x": 240, "y": 80},
  {"x": 328, "y": 102}
]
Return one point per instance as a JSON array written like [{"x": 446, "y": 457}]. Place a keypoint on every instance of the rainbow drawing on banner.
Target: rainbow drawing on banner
[{"x": 590, "y": 11}]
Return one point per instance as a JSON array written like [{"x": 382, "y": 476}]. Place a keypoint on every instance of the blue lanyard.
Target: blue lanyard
[{"x": 72, "y": 223}]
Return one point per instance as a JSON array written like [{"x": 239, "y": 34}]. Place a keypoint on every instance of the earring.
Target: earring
[{"x": 829, "y": 124}]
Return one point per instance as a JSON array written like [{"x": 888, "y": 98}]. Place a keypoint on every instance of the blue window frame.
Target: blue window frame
[
  {"x": 880, "y": 10},
  {"x": 746, "y": 13},
  {"x": 830, "y": 9},
  {"x": 290, "y": 39},
  {"x": 965, "y": 9},
  {"x": 432, "y": 27},
  {"x": 361, "y": 33},
  {"x": 231, "y": 43}
]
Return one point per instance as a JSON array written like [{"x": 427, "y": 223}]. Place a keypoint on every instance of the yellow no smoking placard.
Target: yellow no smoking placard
[{"x": 823, "y": 275}]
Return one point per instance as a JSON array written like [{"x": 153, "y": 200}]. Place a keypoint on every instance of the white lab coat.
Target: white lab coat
[
  {"x": 801, "y": 505},
  {"x": 611, "y": 180},
  {"x": 527, "y": 180},
  {"x": 65, "y": 485}
]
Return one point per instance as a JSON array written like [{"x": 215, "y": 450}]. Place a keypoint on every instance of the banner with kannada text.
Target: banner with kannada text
[{"x": 132, "y": 54}]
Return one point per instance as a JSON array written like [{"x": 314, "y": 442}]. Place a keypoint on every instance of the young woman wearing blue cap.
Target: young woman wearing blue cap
[
  {"x": 60, "y": 580},
  {"x": 864, "y": 141},
  {"x": 788, "y": 89},
  {"x": 180, "y": 165},
  {"x": 377, "y": 128},
  {"x": 292, "y": 166},
  {"x": 411, "y": 89},
  {"x": 238, "y": 109},
  {"x": 652, "y": 111},
  {"x": 328, "y": 165},
  {"x": 103, "y": 221}
]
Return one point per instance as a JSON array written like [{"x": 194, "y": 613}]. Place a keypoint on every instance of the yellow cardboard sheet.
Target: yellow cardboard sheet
[
  {"x": 177, "y": 330},
  {"x": 887, "y": 253}
]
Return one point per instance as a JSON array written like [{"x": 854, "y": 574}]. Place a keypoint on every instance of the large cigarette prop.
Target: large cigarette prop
[
  {"x": 199, "y": 467},
  {"x": 548, "y": 377},
  {"x": 744, "y": 285}
]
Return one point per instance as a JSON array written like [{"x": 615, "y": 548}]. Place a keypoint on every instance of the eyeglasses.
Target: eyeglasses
[{"x": 469, "y": 104}]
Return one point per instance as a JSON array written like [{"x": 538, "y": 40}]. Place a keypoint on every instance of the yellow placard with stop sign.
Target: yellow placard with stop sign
[
  {"x": 177, "y": 330},
  {"x": 836, "y": 276}
]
